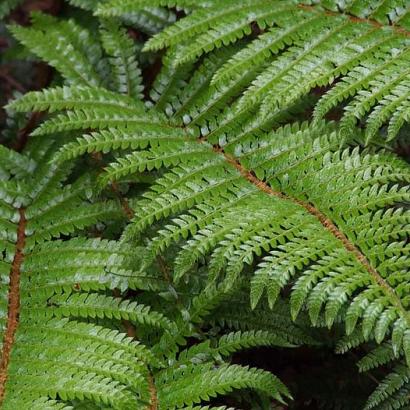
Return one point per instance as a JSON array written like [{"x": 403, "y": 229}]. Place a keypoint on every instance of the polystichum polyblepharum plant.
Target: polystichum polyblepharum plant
[{"x": 245, "y": 195}]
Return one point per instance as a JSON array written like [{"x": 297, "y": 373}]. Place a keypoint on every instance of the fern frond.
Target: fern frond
[
  {"x": 123, "y": 62},
  {"x": 93, "y": 305},
  {"x": 14, "y": 163},
  {"x": 198, "y": 103},
  {"x": 233, "y": 207},
  {"x": 113, "y": 139},
  {"x": 118, "y": 7},
  {"x": 205, "y": 382},
  {"x": 149, "y": 19},
  {"x": 393, "y": 392},
  {"x": 93, "y": 108},
  {"x": 203, "y": 19},
  {"x": 92, "y": 363},
  {"x": 288, "y": 232},
  {"x": 380, "y": 355},
  {"x": 382, "y": 12},
  {"x": 314, "y": 48},
  {"x": 316, "y": 241},
  {"x": 169, "y": 82},
  {"x": 108, "y": 58},
  {"x": 156, "y": 158},
  {"x": 66, "y": 46},
  {"x": 80, "y": 98},
  {"x": 234, "y": 342},
  {"x": 236, "y": 314}
]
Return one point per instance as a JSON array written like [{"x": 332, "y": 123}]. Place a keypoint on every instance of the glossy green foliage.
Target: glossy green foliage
[
  {"x": 59, "y": 285},
  {"x": 214, "y": 209},
  {"x": 285, "y": 207},
  {"x": 245, "y": 204},
  {"x": 107, "y": 59},
  {"x": 293, "y": 47},
  {"x": 150, "y": 18},
  {"x": 67, "y": 348}
]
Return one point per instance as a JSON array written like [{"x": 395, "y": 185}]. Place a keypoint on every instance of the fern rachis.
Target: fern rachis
[{"x": 13, "y": 301}]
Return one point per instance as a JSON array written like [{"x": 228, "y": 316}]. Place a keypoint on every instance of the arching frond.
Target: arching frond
[
  {"x": 45, "y": 351},
  {"x": 123, "y": 61},
  {"x": 364, "y": 47},
  {"x": 297, "y": 202}
]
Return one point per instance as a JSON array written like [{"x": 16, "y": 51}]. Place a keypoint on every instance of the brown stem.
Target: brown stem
[
  {"x": 164, "y": 268},
  {"x": 153, "y": 392},
  {"x": 129, "y": 213},
  {"x": 5, "y": 75},
  {"x": 24, "y": 133},
  {"x": 13, "y": 303},
  {"x": 354, "y": 19}
]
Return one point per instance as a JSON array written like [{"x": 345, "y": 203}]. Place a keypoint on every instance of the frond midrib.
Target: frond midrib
[
  {"x": 354, "y": 19},
  {"x": 13, "y": 303}
]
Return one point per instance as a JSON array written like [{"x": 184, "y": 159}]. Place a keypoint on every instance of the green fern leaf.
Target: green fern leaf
[{"x": 366, "y": 52}]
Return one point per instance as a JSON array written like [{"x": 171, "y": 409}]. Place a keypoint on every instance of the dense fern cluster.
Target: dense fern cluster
[{"x": 247, "y": 196}]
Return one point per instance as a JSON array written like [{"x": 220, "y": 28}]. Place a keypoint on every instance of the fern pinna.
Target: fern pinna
[{"x": 238, "y": 201}]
